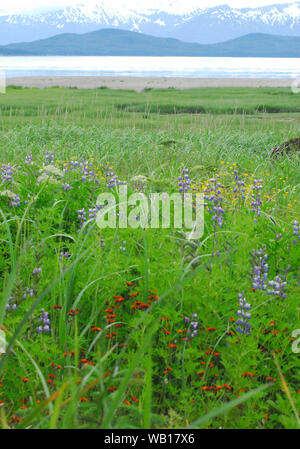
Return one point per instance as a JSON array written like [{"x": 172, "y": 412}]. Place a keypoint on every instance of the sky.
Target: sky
[{"x": 19, "y": 6}]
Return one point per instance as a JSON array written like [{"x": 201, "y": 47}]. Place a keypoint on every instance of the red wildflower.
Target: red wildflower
[{"x": 15, "y": 419}]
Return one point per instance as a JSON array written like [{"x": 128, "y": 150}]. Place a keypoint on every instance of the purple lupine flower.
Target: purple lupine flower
[
  {"x": 123, "y": 247},
  {"x": 277, "y": 287},
  {"x": 215, "y": 202},
  {"x": 243, "y": 325},
  {"x": 239, "y": 189},
  {"x": 260, "y": 269},
  {"x": 73, "y": 165},
  {"x": 46, "y": 324},
  {"x": 64, "y": 255},
  {"x": 256, "y": 203},
  {"x": 16, "y": 202},
  {"x": 82, "y": 216},
  {"x": 85, "y": 169},
  {"x": 10, "y": 306},
  {"x": 296, "y": 232},
  {"x": 49, "y": 158},
  {"x": 36, "y": 271},
  {"x": 112, "y": 180},
  {"x": 192, "y": 330},
  {"x": 7, "y": 173},
  {"x": 184, "y": 182},
  {"x": 91, "y": 217},
  {"x": 66, "y": 187},
  {"x": 28, "y": 159},
  {"x": 30, "y": 292}
]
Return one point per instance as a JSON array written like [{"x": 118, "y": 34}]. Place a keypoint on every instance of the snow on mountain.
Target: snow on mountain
[{"x": 166, "y": 18}]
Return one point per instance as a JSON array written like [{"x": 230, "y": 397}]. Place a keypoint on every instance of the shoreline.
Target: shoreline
[{"x": 140, "y": 83}]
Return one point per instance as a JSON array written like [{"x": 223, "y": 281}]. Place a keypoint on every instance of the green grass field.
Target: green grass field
[{"x": 138, "y": 328}]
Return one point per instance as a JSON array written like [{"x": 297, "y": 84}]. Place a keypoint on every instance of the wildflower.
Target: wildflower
[
  {"x": 277, "y": 287},
  {"x": 28, "y": 159},
  {"x": 36, "y": 271},
  {"x": 15, "y": 419},
  {"x": 82, "y": 216},
  {"x": 73, "y": 312},
  {"x": 184, "y": 182},
  {"x": 15, "y": 199},
  {"x": 215, "y": 201},
  {"x": 244, "y": 316},
  {"x": 64, "y": 255},
  {"x": 260, "y": 269},
  {"x": 140, "y": 183},
  {"x": 10, "y": 306},
  {"x": 239, "y": 189},
  {"x": 52, "y": 170},
  {"x": 16, "y": 202},
  {"x": 7, "y": 173},
  {"x": 45, "y": 327},
  {"x": 49, "y": 158},
  {"x": 46, "y": 178},
  {"x": 256, "y": 203},
  {"x": 66, "y": 187},
  {"x": 296, "y": 232},
  {"x": 112, "y": 180}
]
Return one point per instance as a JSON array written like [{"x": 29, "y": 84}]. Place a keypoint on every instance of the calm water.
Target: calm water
[{"x": 151, "y": 66}]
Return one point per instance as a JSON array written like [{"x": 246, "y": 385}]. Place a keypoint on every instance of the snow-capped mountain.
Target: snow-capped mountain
[{"x": 203, "y": 25}]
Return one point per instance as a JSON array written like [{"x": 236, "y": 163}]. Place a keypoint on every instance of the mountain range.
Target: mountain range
[
  {"x": 113, "y": 42},
  {"x": 199, "y": 25}
]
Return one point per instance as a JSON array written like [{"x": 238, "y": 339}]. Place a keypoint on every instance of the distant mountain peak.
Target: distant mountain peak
[{"x": 162, "y": 18}]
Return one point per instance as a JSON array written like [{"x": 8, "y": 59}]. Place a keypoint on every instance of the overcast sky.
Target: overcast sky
[{"x": 21, "y": 6}]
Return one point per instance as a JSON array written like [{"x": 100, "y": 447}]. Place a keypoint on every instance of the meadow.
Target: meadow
[{"x": 144, "y": 328}]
